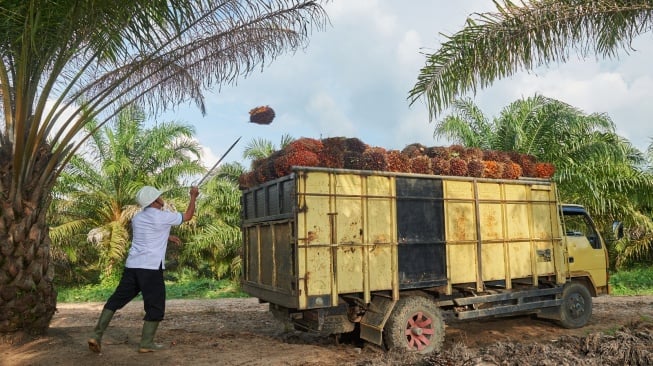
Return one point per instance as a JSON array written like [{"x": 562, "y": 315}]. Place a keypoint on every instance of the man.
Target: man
[{"x": 144, "y": 266}]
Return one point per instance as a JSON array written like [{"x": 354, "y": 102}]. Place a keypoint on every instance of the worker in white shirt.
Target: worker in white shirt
[{"x": 144, "y": 266}]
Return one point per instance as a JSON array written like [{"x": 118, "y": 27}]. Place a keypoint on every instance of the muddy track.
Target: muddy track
[{"x": 243, "y": 332}]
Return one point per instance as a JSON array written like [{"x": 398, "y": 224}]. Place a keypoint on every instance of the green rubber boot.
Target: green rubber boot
[
  {"x": 147, "y": 339},
  {"x": 95, "y": 342}
]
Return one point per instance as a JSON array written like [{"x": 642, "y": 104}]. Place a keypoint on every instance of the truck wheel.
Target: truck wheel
[
  {"x": 576, "y": 308},
  {"x": 416, "y": 325}
]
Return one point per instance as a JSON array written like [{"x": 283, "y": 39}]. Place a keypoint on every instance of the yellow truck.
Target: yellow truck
[{"x": 333, "y": 250}]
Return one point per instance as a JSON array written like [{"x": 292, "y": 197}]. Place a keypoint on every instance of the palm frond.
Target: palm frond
[{"x": 523, "y": 36}]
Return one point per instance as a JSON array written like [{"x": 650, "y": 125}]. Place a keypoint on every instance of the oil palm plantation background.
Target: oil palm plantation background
[
  {"x": 523, "y": 35},
  {"x": 68, "y": 63},
  {"x": 94, "y": 196},
  {"x": 214, "y": 237},
  {"x": 594, "y": 166}
]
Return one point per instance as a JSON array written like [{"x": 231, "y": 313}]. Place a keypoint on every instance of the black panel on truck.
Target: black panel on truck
[{"x": 421, "y": 236}]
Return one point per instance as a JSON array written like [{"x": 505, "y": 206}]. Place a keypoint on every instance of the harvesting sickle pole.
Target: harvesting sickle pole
[{"x": 201, "y": 181}]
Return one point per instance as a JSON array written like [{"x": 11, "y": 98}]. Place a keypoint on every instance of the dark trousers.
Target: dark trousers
[{"x": 147, "y": 281}]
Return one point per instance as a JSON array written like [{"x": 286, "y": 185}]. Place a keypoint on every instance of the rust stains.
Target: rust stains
[
  {"x": 460, "y": 225},
  {"x": 381, "y": 239}
]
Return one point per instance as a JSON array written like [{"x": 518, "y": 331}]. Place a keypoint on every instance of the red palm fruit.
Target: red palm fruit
[
  {"x": 473, "y": 153},
  {"x": 259, "y": 174},
  {"x": 515, "y": 156},
  {"x": 458, "y": 167},
  {"x": 355, "y": 145},
  {"x": 256, "y": 163},
  {"x": 457, "y": 151},
  {"x": 414, "y": 150},
  {"x": 544, "y": 170},
  {"x": 246, "y": 180},
  {"x": 438, "y": 152},
  {"x": 528, "y": 165},
  {"x": 511, "y": 170},
  {"x": 374, "y": 159},
  {"x": 333, "y": 152},
  {"x": 421, "y": 165},
  {"x": 503, "y": 157},
  {"x": 266, "y": 170},
  {"x": 440, "y": 166},
  {"x": 490, "y": 155},
  {"x": 493, "y": 169},
  {"x": 283, "y": 166},
  {"x": 397, "y": 162},
  {"x": 305, "y": 144},
  {"x": 262, "y": 115},
  {"x": 353, "y": 160},
  {"x": 475, "y": 168}
]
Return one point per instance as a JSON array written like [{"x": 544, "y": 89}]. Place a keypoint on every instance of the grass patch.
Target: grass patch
[
  {"x": 634, "y": 281},
  {"x": 183, "y": 288},
  {"x": 84, "y": 293},
  {"x": 203, "y": 288}
]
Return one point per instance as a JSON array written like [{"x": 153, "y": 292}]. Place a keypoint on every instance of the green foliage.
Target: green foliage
[
  {"x": 183, "y": 285},
  {"x": 93, "y": 198},
  {"x": 258, "y": 149},
  {"x": 179, "y": 286},
  {"x": 204, "y": 289},
  {"x": 214, "y": 234},
  {"x": 525, "y": 35},
  {"x": 67, "y": 65},
  {"x": 594, "y": 166},
  {"x": 635, "y": 281},
  {"x": 86, "y": 293}
]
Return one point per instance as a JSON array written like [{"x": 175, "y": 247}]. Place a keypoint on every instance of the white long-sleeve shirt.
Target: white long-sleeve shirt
[{"x": 151, "y": 228}]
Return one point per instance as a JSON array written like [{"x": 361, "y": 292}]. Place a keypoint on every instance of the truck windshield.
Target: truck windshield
[{"x": 578, "y": 224}]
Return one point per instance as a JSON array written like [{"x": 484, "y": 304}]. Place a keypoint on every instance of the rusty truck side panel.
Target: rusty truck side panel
[
  {"x": 321, "y": 233},
  {"x": 346, "y": 240},
  {"x": 517, "y": 234}
]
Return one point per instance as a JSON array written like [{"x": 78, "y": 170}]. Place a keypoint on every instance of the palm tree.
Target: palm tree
[
  {"x": 230, "y": 172},
  {"x": 214, "y": 234},
  {"x": 260, "y": 148},
  {"x": 66, "y": 63},
  {"x": 524, "y": 36},
  {"x": 594, "y": 166},
  {"x": 96, "y": 189}
]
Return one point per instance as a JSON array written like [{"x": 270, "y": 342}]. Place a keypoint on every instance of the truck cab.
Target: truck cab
[{"x": 587, "y": 253}]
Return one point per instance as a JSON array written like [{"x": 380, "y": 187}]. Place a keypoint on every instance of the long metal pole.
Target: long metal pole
[{"x": 218, "y": 162}]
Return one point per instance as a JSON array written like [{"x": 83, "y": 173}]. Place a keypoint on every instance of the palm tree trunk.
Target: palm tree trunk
[{"x": 27, "y": 294}]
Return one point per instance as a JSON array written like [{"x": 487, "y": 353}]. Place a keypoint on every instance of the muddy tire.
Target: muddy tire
[
  {"x": 576, "y": 308},
  {"x": 415, "y": 325}
]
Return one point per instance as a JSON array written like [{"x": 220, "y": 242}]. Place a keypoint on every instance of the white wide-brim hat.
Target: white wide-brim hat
[{"x": 147, "y": 195}]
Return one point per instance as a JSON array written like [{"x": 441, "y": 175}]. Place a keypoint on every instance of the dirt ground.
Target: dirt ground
[{"x": 243, "y": 332}]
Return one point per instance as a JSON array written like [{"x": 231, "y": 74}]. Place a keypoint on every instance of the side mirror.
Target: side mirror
[{"x": 618, "y": 229}]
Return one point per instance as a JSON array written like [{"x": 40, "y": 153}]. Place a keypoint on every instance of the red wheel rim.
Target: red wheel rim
[{"x": 419, "y": 330}]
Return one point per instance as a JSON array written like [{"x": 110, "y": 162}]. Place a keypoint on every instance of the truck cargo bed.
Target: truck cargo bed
[{"x": 320, "y": 233}]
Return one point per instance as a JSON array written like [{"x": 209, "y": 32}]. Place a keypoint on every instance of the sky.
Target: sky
[{"x": 353, "y": 80}]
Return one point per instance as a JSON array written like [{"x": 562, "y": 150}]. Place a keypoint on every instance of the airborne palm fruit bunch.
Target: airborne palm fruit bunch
[{"x": 262, "y": 115}]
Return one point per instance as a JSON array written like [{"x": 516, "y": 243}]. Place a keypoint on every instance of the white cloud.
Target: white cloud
[
  {"x": 332, "y": 120},
  {"x": 208, "y": 157},
  {"x": 353, "y": 80}
]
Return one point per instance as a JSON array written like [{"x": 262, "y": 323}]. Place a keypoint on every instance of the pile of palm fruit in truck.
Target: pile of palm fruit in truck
[{"x": 352, "y": 153}]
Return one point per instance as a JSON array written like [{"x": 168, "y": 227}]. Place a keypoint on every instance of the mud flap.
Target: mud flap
[{"x": 375, "y": 318}]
